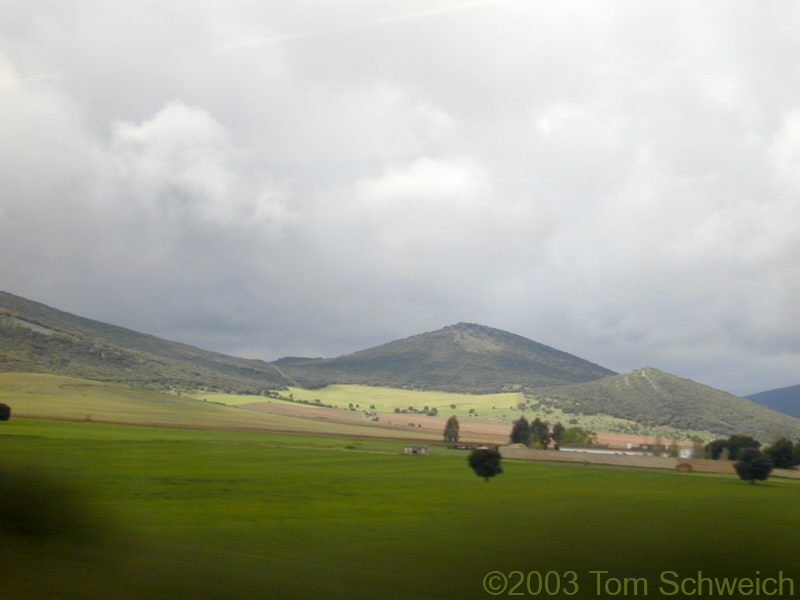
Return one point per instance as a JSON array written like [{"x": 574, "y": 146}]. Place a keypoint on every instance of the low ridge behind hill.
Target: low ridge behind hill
[
  {"x": 39, "y": 339},
  {"x": 459, "y": 358},
  {"x": 652, "y": 397},
  {"x": 785, "y": 399}
]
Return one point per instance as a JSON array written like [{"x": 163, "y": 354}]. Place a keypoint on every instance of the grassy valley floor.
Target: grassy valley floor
[{"x": 177, "y": 513}]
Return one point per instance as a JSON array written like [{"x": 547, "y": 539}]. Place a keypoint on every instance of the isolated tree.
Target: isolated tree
[
  {"x": 451, "y": 430},
  {"x": 521, "y": 432},
  {"x": 540, "y": 433},
  {"x": 753, "y": 465},
  {"x": 782, "y": 453},
  {"x": 485, "y": 462},
  {"x": 5, "y": 412},
  {"x": 557, "y": 434}
]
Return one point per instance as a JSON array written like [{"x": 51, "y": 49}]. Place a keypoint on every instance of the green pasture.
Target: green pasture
[{"x": 163, "y": 513}]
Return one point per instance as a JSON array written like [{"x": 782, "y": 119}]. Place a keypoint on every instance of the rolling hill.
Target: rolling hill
[
  {"x": 785, "y": 399},
  {"x": 36, "y": 338},
  {"x": 460, "y": 358},
  {"x": 463, "y": 358},
  {"x": 652, "y": 397}
]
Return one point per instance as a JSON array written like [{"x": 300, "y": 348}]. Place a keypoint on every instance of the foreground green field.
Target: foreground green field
[{"x": 171, "y": 513}]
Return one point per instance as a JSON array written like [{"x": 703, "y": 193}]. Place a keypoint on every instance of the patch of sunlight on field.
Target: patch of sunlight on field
[
  {"x": 229, "y": 399},
  {"x": 387, "y": 399},
  {"x": 58, "y": 397},
  {"x": 492, "y": 408}
]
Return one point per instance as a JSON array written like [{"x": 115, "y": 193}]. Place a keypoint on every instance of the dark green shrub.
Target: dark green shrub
[
  {"x": 485, "y": 462},
  {"x": 753, "y": 465}
]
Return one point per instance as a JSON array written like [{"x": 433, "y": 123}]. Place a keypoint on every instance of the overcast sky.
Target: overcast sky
[{"x": 620, "y": 180}]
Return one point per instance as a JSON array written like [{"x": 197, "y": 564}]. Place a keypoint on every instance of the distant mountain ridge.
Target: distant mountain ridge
[
  {"x": 785, "y": 399},
  {"x": 465, "y": 357}
]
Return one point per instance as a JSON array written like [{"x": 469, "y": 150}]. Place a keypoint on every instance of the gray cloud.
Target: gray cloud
[{"x": 616, "y": 180}]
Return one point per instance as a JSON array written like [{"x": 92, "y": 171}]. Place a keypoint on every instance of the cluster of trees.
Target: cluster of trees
[
  {"x": 5, "y": 412},
  {"x": 729, "y": 449},
  {"x": 753, "y": 464},
  {"x": 430, "y": 411},
  {"x": 537, "y": 433},
  {"x": 784, "y": 453}
]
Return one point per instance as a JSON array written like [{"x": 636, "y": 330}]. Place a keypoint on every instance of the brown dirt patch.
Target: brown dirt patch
[{"x": 469, "y": 430}]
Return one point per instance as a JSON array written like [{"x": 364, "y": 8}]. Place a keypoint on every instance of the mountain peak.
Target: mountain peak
[
  {"x": 464, "y": 357},
  {"x": 474, "y": 338}
]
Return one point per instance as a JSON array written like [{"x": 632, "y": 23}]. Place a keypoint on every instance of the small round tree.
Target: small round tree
[
  {"x": 753, "y": 465},
  {"x": 5, "y": 412},
  {"x": 485, "y": 462}
]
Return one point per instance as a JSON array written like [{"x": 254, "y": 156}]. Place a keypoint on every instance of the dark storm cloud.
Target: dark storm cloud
[{"x": 617, "y": 180}]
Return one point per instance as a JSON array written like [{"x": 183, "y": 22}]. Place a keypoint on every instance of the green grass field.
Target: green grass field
[{"x": 176, "y": 513}]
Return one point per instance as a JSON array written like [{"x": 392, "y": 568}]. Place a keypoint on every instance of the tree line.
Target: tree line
[
  {"x": 538, "y": 434},
  {"x": 752, "y": 464},
  {"x": 783, "y": 452}
]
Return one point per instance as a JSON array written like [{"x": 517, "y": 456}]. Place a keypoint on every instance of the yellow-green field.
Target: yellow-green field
[
  {"x": 57, "y": 397},
  {"x": 385, "y": 399},
  {"x": 492, "y": 408}
]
